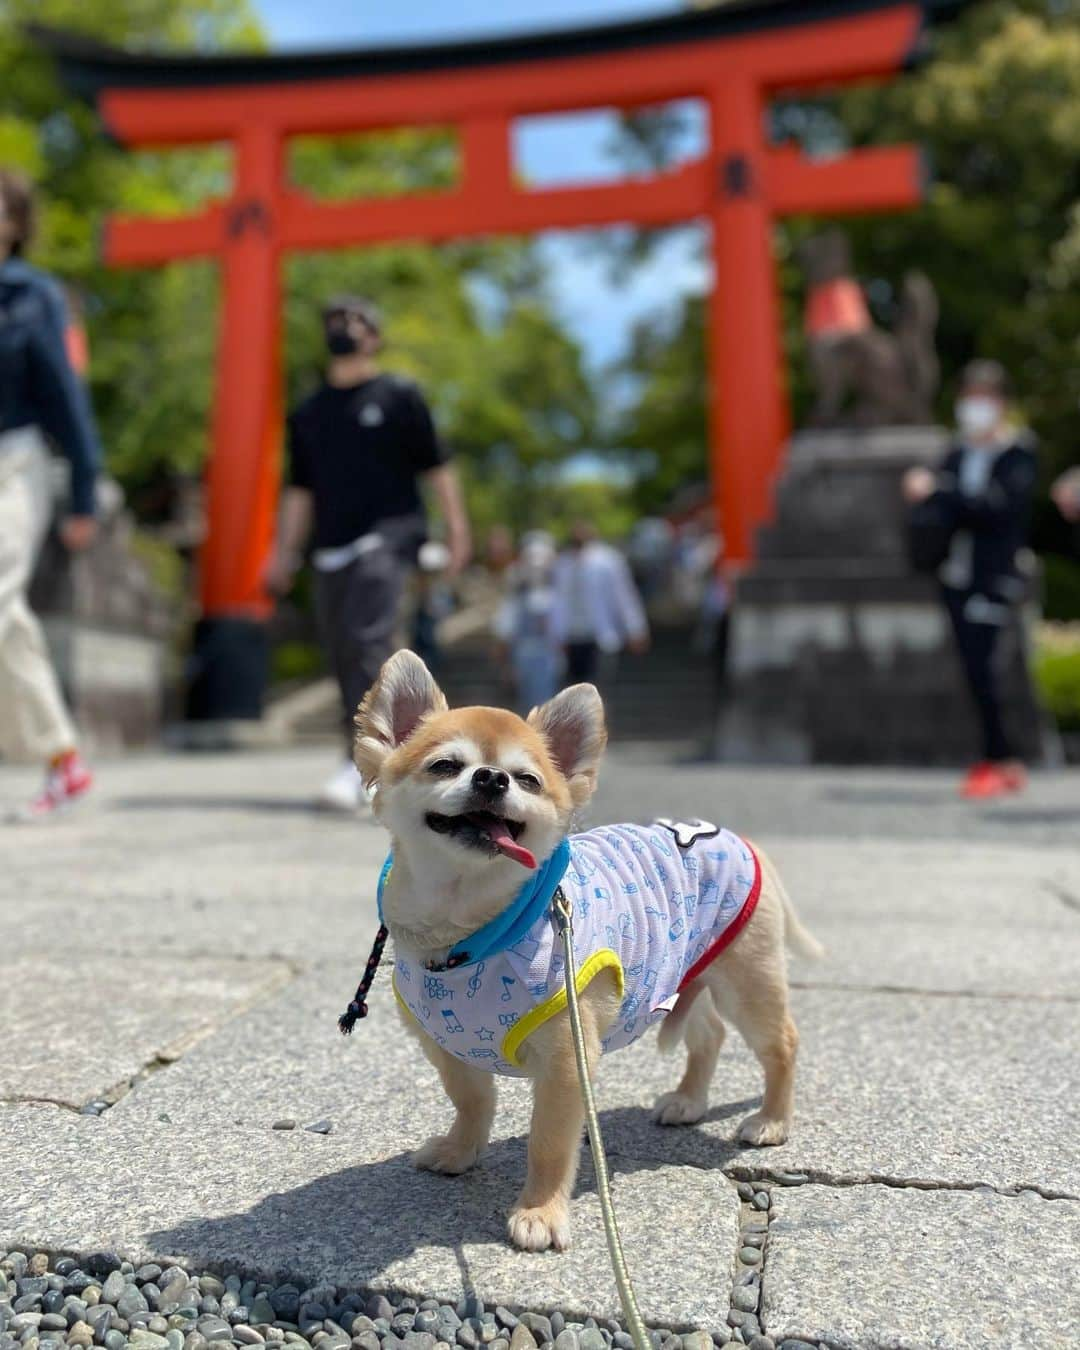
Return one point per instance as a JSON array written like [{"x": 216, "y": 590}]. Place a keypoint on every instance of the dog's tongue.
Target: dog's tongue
[{"x": 500, "y": 836}]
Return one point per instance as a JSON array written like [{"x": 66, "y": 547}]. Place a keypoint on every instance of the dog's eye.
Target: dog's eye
[
  {"x": 528, "y": 781},
  {"x": 445, "y": 768}
]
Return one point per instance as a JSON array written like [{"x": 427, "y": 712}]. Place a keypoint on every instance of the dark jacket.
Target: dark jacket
[
  {"x": 37, "y": 383},
  {"x": 990, "y": 526}
]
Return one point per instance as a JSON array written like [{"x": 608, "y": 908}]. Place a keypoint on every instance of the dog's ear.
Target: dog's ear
[
  {"x": 572, "y": 724},
  {"x": 392, "y": 709}
]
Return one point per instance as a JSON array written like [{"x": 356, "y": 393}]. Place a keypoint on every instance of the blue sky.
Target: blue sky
[{"x": 547, "y": 150}]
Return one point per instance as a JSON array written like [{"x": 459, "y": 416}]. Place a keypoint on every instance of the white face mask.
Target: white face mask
[{"x": 976, "y": 415}]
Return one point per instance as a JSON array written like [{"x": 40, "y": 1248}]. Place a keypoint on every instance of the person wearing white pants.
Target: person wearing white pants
[{"x": 38, "y": 389}]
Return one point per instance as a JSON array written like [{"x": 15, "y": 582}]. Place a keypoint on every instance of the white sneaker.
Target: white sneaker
[{"x": 344, "y": 790}]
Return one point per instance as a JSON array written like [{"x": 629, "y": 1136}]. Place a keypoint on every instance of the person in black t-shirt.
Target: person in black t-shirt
[{"x": 359, "y": 449}]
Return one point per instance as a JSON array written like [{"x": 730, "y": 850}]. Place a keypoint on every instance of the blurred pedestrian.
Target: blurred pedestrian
[
  {"x": 499, "y": 550},
  {"x": 1066, "y": 494},
  {"x": 983, "y": 492},
  {"x": 39, "y": 392},
  {"x": 525, "y": 623},
  {"x": 434, "y": 602},
  {"x": 360, "y": 448},
  {"x": 598, "y": 608}
]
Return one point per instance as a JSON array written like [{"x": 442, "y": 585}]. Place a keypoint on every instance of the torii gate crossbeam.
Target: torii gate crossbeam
[{"x": 734, "y": 57}]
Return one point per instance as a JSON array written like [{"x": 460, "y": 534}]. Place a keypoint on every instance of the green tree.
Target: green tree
[{"x": 665, "y": 421}]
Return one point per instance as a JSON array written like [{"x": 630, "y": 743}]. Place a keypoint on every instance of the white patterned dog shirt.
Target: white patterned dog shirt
[{"x": 655, "y": 903}]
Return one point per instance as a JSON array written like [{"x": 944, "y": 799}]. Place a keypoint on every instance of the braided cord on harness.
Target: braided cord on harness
[
  {"x": 564, "y": 918},
  {"x": 358, "y": 1007}
]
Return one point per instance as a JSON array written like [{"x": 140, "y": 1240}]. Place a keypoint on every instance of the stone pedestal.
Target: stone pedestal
[
  {"x": 106, "y": 625},
  {"x": 840, "y": 654}
]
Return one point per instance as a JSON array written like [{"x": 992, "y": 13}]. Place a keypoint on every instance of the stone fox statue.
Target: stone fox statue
[{"x": 864, "y": 375}]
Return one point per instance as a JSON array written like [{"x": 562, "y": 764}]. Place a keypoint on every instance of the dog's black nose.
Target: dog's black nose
[{"x": 491, "y": 782}]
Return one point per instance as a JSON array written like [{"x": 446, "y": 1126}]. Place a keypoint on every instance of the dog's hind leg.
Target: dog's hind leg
[
  {"x": 704, "y": 1036},
  {"x": 473, "y": 1093},
  {"x": 755, "y": 1002}
]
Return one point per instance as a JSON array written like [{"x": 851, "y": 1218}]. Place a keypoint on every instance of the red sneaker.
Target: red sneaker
[
  {"x": 67, "y": 783},
  {"x": 1015, "y": 775},
  {"x": 989, "y": 780}
]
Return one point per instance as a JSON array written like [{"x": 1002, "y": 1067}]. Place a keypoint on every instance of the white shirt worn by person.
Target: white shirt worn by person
[{"x": 596, "y": 599}]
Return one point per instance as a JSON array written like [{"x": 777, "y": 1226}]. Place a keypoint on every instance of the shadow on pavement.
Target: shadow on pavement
[
  {"x": 361, "y": 1221},
  {"x": 888, "y": 796},
  {"x": 1047, "y": 815},
  {"x": 198, "y": 802}
]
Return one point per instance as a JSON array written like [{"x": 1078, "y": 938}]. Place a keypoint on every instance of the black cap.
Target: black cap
[{"x": 354, "y": 304}]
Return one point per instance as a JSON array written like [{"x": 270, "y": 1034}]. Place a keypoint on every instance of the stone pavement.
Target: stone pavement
[{"x": 174, "y": 960}]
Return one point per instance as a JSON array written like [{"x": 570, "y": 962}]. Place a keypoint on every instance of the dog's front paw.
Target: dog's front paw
[
  {"x": 676, "y": 1108},
  {"x": 535, "y": 1230},
  {"x": 762, "y": 1130},
  {"x": 443, "y": 1153}
]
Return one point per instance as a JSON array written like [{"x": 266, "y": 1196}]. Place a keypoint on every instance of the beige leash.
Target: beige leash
[{"x": 636, "y": 1327}]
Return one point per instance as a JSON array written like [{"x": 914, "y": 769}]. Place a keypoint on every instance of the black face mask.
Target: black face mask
[{"x": 341, "y": 343}]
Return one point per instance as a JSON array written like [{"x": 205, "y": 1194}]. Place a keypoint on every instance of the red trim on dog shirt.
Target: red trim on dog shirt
[{"x": 732, "y": 931}]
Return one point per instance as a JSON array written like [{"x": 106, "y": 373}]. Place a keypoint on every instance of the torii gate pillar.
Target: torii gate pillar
[{"x": 747, "y": 402}]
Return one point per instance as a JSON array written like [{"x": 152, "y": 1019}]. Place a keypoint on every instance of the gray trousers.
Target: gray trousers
[{"x": 358, "y": 608}]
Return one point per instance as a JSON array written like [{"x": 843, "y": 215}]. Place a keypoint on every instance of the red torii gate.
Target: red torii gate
[{"x": 734, "y": 57}]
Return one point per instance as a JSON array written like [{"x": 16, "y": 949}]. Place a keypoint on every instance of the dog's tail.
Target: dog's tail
[{"x": 801, "y": 941}]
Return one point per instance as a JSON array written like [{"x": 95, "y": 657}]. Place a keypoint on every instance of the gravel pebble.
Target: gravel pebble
[
  {"x": 750, "y": 1255},
  {"x": 379, "y": 1306},
  {"x": 745, "y": 1297},
  {"x": 113, "y": 1287},
  {"x": 762, "y": 1200}
]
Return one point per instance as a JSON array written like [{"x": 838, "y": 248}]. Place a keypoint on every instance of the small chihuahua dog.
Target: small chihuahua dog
[{"x": 478, "y": 803}]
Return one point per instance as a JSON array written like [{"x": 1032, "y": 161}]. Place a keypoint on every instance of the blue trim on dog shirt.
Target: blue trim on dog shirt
[{"x": 512, "y": 923}]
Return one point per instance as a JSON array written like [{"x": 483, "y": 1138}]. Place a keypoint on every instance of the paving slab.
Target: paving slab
[
  {"x": 941, "y": 918},
  {"x": 962, "y": 1091},
  {"x": 215, "y": 881},
  {"x": 304, "y": 1206},
  {"x": 989, "y": 1097},
  {"x": 73, "y": 1032},
  {"x": 884, "y": 1269}
]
